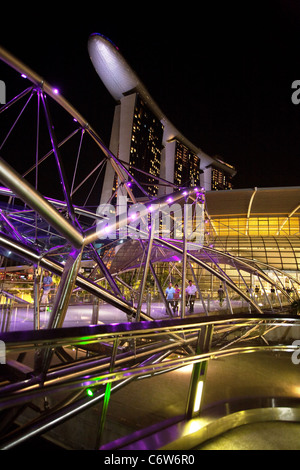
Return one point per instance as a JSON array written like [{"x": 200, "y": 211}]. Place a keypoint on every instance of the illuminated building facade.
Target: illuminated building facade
[
  {"x": 261, "y": 224},
  {"x": 146, "y": 145},
  {"x": 220, "y": 180},
  {"x": 255, "y": 224},
  {"x": 186, "y": 166}
]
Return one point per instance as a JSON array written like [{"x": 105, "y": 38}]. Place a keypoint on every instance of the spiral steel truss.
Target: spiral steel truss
[
  {"x": 56, "y": 234},
  {"x": 57, "y": 231}
]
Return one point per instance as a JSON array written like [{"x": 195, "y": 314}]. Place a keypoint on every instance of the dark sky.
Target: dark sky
[{"x": 222, "y": 75}]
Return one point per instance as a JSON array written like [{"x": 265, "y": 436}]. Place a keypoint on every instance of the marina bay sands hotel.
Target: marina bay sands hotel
[
  {"x": 254, "y": 223},
  {"x": 144, "y": 140}
]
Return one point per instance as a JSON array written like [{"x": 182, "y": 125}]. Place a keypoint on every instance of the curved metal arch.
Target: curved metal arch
[
  {"x": 222, "y": 258},
  {"x": 46, "y": 88},
  {"x": 220, "y": 276},
  {"x": 287, "y": 218},
  {"x": 249, "y": 209},
  {"x": 243, "y": 264},
  {"x": 247, "y": 264}
]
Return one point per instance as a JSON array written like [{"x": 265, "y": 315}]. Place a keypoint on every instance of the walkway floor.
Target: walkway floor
[
  {"x": 151, "y": 401},
  {"x": 81, "y": 314},
  {"x": 258, "y": 436}
]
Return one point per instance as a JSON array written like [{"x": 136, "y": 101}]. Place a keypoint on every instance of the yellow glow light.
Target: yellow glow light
[{"x": 198, "y": 396}]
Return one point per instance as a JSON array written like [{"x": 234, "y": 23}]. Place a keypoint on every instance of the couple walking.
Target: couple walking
[{"x": 173, "y": 296}]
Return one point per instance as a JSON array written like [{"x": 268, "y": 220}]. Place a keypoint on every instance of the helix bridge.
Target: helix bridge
[{"x": 51, "y": 164}]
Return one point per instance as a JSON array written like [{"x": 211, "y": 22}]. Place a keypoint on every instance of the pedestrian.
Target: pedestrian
[
  {"x": 170, "y": 291},
  {"x": 176, "y": 299},
  {"x": 191, "y": 296},
  {"x": 272, "y": 294},
  {"x": 47, "y": 284},
  {"x": 221, "y": 295}
]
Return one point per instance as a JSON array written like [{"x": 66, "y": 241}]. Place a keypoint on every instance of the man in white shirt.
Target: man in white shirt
[{"x": 191, "y": 295}]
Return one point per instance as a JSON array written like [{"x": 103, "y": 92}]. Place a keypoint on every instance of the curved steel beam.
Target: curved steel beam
[
  {"x": 254, "y": 270},
  {"x": 211, "y": 270},
  {"x": 35, "y": 258},
  {"x": 249, "y": 209},
  {"x": 39, "y": 81},
  {"x": 36, "y": 201},
  {"x": 287, "y": 218}
]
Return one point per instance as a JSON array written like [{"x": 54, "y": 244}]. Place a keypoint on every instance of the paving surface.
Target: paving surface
[
  {"x": 258, "y": 436},
  {"x": 149, "y": 401}
]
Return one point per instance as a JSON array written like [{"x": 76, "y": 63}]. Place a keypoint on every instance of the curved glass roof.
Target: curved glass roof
[
  {"x": 280, "y": 252},
  {"x": 254, "y": 202}
]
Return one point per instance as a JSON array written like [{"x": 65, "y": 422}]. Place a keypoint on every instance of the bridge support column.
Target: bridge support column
[
  {"x": 66, "y": 286},
  {"x": 199, "y": 373},
  {"x": 106, "y": 397},
  {"x": 60, "y": 306}
]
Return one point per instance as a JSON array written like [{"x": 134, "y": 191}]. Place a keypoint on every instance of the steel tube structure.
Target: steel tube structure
[
  {"x": 36, "y": 201},
  {"x": 212, "y": 271},
  {"x": 63, "y": 413},
  {"x": 150, "y": 365},
  {"x": 51, "y": 91},
  {"x": 30, "y": 255},
  {"x": 154, "y": 346}
]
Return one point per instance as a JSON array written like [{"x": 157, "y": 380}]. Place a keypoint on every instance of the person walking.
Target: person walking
[
  {"x": 176, "y": 299},
  {"x": 191, "y": 296},
  {"x": 170, "y": 291},
  {"x": 47, "y": 284},
  {"x": 221, "y": 295}
]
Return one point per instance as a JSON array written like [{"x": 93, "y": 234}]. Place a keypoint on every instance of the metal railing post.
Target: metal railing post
[
  {"x": 106, "y": 397},
  {"x": 36, "y": 305}
]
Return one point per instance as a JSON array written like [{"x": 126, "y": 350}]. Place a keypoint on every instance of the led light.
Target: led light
[
  {"x": 55, "y": 91},
  {"x": 198, "y": 396},
  {"x": 90, "y": 392}
]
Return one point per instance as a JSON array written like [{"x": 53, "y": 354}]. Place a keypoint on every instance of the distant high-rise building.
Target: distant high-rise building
[
  {"x": 154, "y": 152},
  {"x": 220, "y": 178},
  {"x": 137, "y": 140},
  {"x": 186, "y": 166}
]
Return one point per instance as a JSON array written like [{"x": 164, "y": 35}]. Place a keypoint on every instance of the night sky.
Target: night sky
[{"x": 223, "y": 76}]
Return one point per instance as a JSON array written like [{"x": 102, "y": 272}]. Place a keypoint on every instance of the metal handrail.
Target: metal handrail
[
  {"x": 117, "y": 369},
  {"x": 31, "y": 339},
  {"x": 162, "y": 336}
]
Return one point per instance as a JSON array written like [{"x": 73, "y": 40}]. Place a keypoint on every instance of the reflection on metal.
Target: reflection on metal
[{"x": 199, "y": 372}]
